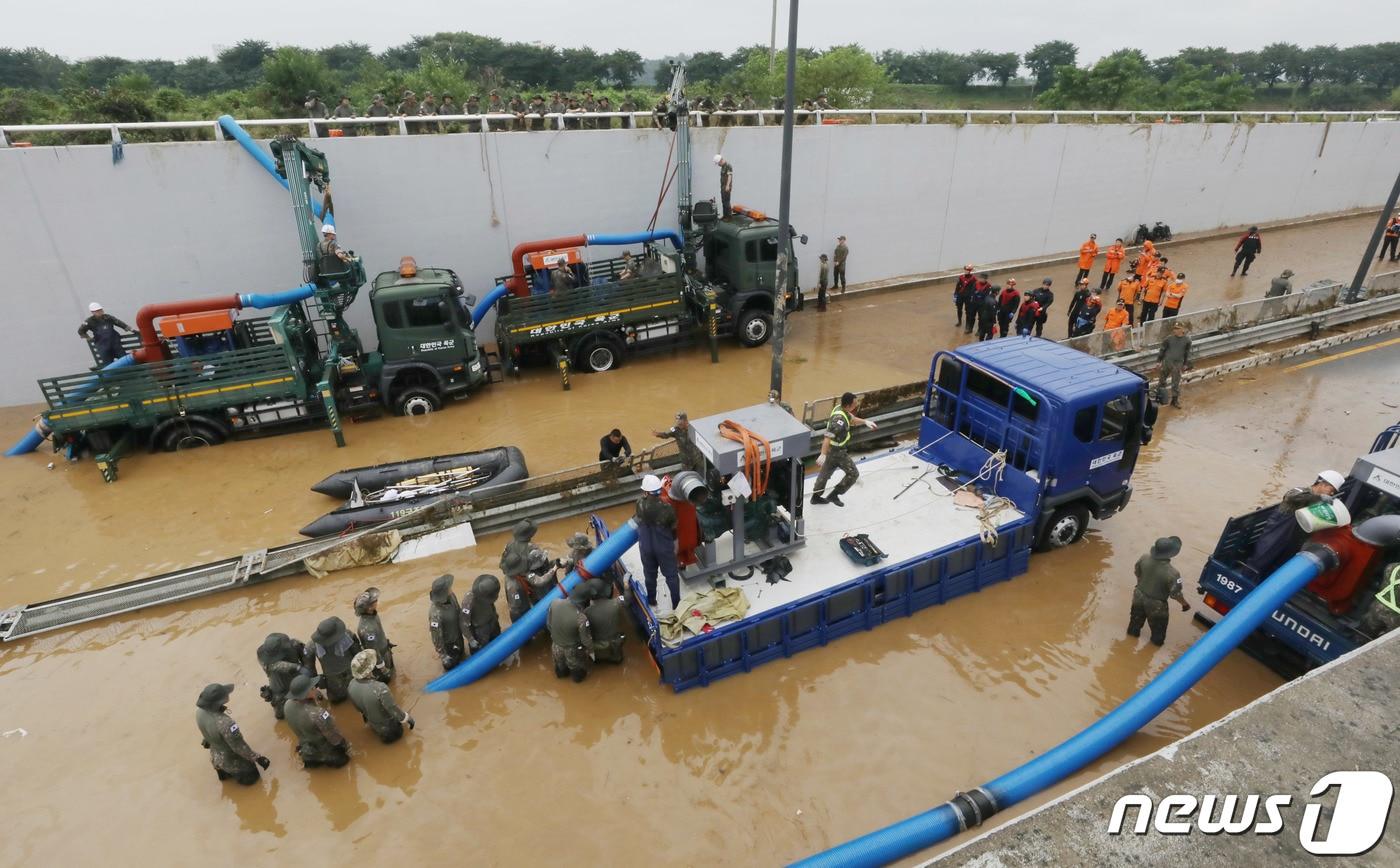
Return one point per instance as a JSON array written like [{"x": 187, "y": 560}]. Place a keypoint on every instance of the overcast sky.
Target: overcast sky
[{"x": 175, "y": 29}]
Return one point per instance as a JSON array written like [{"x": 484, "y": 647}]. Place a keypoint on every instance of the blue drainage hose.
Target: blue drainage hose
[
  {"x": 637, "y": 238},
  {"x": 241, "y": 136},
  {"x": 968, "y": 809},
  {"x": 277, "y": 299},
  {"x": 498, "y": 649},
  {"x": 484, "y": 306},
  {"x": 31, "y": 441}
]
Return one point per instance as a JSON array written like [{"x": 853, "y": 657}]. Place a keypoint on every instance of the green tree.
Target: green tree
[
  {"x": 701, "y": 66},
  {"x": 289, "y": 74},
  {"x": 950, "y": 69},
  {"x": 1000, "y": 67},
  {"x": 1120, "y": 80},
  {"x": 1304, "y": 66},
  {"x": 1045, "y": 59},
  {"x": 1277, "y": 60},
  {"x": 31, "y": 68},
  {"x": 200, "y": 76},
  {"x": 243, "y": 62},
  {"x": 1201, "y": 88},
  {"x": 578, "y": 64},
  {"x": 346, "y": 57},
  {"x": 624, "y": 67},
  {"x": 850, "y": 76}
]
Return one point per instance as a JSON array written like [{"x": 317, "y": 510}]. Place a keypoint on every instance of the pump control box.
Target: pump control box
[{"x": 787, "y": 437}]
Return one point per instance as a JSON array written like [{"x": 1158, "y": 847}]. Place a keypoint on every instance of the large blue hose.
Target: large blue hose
[
  {"x": 932, "y": 827},
  {"x": 498, "y": 649},
  {"x": 262, "y": 300},
  {"x": 637, "y": 238},
  {"x": 484, "y": 306},
  {"x": 241, "y": 136},
  {"x": 31, "y": 441}
]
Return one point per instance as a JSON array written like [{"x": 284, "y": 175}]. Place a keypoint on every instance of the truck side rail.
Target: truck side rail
[
  {"x": 530, "y": 318},
  {"x": 162, "y": 388}
]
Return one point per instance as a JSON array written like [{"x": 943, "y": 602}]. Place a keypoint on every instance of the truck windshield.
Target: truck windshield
[{"x": 762, "y": 250}]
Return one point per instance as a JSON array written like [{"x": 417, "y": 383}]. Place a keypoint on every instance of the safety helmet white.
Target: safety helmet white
[
  {"x": 1332, "y": 478},
  {"x": 94, "y": 307},
  {"x": 328, "y": 229},
  {"x": 651, "y": 483}
]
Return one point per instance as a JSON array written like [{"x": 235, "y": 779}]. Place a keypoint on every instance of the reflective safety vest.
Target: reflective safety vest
[{"x": 845, "y": 416}]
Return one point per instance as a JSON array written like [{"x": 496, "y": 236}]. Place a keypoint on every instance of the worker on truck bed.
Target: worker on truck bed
[
  {"x": 1281, "y": 537},
  {"x": 1157, "y": 582},
  {"x": 834, "y": 456},
  {"x": 656, "y": 540},
  {"x": 101, "y": 328},
  {"x": 726, "y": 181}
]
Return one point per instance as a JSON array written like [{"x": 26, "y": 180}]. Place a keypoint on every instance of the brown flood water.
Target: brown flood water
[{"x": 797, "y": 755}]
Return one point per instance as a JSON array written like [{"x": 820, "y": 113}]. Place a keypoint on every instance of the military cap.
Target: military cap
[
  {"x": 301, "y": 687},
  {"x": 442, "y": 586},
  {"x": 1166, "y": 548},
  {"x": 214, "y": 695},
  {"x": 367, "y": 598},
  {"x": 329, "y": 631},
  {"x": 362, "y": 667}
]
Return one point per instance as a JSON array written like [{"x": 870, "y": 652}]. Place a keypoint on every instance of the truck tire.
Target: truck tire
[
  {"x": 190, "y": 433},
  {"x": 599, "y": 353},
  {"x": 755, "y": 327},
  {"x": 1065, "y": 527},
  {"x": 417, "y": 401}
]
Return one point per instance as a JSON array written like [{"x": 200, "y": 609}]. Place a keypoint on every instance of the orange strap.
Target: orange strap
[{"x": 757, "y": 464}]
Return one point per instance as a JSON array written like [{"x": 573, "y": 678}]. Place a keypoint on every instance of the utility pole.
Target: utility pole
[
  {"x": 773, "y": 40},
  {"x": 780, "y": 283},
  {"x": 1354, "y": 292}
]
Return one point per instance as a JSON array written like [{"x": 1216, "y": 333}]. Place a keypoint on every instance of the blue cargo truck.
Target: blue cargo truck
[
  {"x": 1046, "y": 436},
  {"x": 1318, "y": 624}
]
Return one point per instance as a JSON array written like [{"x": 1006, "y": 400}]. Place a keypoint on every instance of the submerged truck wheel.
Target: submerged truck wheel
[
  {"x": 1067, "y": 524},
  {"x": 189, "y": 433},
  {"x": 755, "y": 325},
  {"x": 600, "y": 353},
  {"x": 417, "y": 402}
]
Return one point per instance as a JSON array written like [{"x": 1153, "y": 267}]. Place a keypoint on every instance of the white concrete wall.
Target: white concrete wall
[{"x": 194, "y": 219}]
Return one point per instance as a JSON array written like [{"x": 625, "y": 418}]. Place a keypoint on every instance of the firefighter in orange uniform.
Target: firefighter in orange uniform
[
  {"x": 1116, "y": 318},
  {"x": 1113, "y": 258},
  {"x": 1088, "y": 252},
  {"x": 1128, "y": 289},
  {"x": 1152, "y": 289},
  {"x": 1176, "y": 293}
]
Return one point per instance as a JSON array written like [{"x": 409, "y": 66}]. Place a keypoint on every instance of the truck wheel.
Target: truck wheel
[
  {"x": 755, "y": 325},
  {"x": 192, "y": 434},
  {"x": 1067, "y": 524},
  {"x": 417, "y": 402},
  {"x": 599, "y": 354}
]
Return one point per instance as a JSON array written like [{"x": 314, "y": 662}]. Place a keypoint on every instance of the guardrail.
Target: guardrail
[{"x": 17, "y": 135}]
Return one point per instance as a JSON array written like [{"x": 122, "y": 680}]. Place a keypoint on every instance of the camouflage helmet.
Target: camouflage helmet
[
  {"x": 538, "y": 560},
  {"x": 586, "y": 592},
  {"x": 515, "y": 564},
  {"x": 270, "y": 651},
  {"x": 363, "y": 666},
  {"x": 486, "y": 587},
  {"x": 442, "y": 587},
  {"x": 579, "y": 541},
  {"x": 213, "y": 696},
  {"x": 367, "y": 599},
  {"x": 301, "y": 687},
  {"x": 524, "y": 530}
]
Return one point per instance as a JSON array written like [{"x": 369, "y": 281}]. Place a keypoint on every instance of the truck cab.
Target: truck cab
[
  {"x": 740, "y": 252},
  {"x": 427, "y": 346},
  {"x": 1319, "y": 623},
  {"x": 1073, "y": 424}
]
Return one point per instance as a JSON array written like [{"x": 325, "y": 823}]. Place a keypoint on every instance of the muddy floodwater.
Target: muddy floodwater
[{"x": 102, "y": 759}]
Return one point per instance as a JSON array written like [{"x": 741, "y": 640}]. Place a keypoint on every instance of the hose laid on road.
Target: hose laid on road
[
  {"x": 493, "y": 653},
  {"x": 972, "y": 808}
]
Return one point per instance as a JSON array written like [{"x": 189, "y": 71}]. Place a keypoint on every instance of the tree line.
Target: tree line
[{"x": 255, "y": 79}]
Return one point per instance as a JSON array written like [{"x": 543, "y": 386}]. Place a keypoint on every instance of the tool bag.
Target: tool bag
[{"x": 861, "y": 550}]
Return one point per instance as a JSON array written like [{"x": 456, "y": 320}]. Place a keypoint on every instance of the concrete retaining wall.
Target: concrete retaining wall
[{"x": 186, "y": 220}]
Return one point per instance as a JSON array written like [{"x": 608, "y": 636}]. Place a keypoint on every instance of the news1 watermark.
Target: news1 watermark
[{"x": 1358, "y": 819}]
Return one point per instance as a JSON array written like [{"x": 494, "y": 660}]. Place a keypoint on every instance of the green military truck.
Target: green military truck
[{"x": 660, "y": 299}]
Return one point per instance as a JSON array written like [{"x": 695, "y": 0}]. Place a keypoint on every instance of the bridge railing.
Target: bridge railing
[{"x": 209, "y": 130}]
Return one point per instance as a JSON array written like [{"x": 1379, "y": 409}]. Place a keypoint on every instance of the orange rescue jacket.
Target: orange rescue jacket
[
  {"x": 1113, "y": 257},
  {"x": 1087, "y": 252},
  {"x": 1152, "y": 289},
  {"x": 1175, "y": 293},
  {"x": 1116, "y": 318},
  {"x": 1128, "y": 289}
]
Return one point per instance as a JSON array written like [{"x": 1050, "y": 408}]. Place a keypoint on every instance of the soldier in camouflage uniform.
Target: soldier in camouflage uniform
[
  {"x": 445, "y": 623},
  {"x": 473, "y": 107},
  {"x": 606, "y": 614},
  {"x": 371, "y": 632},
  {"x": 691, "y": 457},
  {"x": 374, "y": 701},
  {"x": 280, "y": 656},
  {"x": 333, "y": 647},
  {"x": 834, "y": 455},
  {"x": 570, "y": 635},
  {"x": 517, "y": 107},
  {"x": 228, "y": 752},
  {"x": 319, "y": 742},
  {"x": 482, "y": 622},
  {"x": 378, "y": 109},
  {"x": 515, "y": 566},
  {"x": 1157, "y": 582}
]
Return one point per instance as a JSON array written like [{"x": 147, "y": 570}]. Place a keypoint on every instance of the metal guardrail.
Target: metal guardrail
[{"x": 13, "y": 135}]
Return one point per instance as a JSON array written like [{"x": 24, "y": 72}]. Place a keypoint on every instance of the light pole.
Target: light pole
[
  {"x": 780, "y": 283},
  {"x": 773, "y": 40}
]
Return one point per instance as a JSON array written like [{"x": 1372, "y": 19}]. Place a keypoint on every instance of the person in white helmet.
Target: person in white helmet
[
  {"x": 1281, "y": 537},
  {"x": 101, "y": 328},
  {"x": 656, "y": 540},
  {"x": 329, "y": 250},
  {"x": 726, "y": 183}
]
